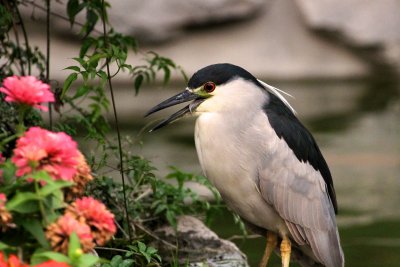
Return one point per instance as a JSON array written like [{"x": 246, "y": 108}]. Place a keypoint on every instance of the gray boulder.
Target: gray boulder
[
  {"x": 373, "y": 25},
  {"x": 159, "y": 20},
  {"x": 198, "y": 245}
]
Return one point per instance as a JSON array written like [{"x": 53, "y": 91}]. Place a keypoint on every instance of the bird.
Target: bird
[{"x": 263, "y": 161}]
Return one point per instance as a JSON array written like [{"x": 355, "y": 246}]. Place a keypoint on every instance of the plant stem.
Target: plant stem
[
  {"x": 58, "y": 15},
  {"x": 28, "y": 48},
  {"x": 48, "y": 58},
  {"x": 18, "y": 50},
  {"x": 112, "y": 249},
  {"x": 7, "y": 140},
  {"x": 121, "y": 163},
  {"x": 41, "y": 207}
]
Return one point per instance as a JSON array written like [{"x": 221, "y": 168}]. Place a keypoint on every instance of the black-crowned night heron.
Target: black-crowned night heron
[{"x": 264, "y": 162}]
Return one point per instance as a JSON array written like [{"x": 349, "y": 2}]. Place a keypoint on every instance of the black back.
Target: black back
[
  {"x": 299, "y": 139},
  {"x": 220, "y": 74}
]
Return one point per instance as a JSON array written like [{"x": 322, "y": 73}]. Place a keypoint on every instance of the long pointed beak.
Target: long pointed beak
[{"x": 182, "y": 97}]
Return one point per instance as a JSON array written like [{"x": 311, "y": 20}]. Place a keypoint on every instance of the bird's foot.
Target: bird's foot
[
  {"x": 272, "y": 241},
  {"x": 286, "y": 248}
]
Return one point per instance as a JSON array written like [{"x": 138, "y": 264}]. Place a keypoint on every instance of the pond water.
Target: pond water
[{"x": 357, "y": 126}]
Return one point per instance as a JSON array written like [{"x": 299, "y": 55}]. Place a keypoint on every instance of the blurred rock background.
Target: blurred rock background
[
  {"x": 282, "y": 39},
  {"x": 339, "y": 59}
]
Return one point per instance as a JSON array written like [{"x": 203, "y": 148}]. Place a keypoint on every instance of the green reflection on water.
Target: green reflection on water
[{"x": 371, "y": 245}]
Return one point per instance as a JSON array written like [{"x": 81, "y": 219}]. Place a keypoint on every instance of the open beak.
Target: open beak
[{"x": 182, "y": 97}]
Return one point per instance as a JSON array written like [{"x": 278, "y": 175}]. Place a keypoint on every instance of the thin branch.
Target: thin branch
[
  {"x": 112, "y": 249},
  {"x": 58, "y": 15},
  {"x": 141, "y": 227},
  {"x": 48, "y": 58},
  {"x": 121, "y": 229},
  {"x": 28, "y": 48},
  {"x": 14, "y": 26},
  {"x": 235, "y": 237},
  {"x": 147, "y": 192},
  {"x": 121, "y": 163}
]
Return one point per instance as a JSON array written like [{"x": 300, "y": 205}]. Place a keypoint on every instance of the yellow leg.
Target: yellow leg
[
  {"x": 272, "y": 241},
  {"x": 286, "y": 248}
]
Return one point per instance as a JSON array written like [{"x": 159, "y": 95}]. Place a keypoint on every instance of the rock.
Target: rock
[
  {"x": 159, "y": 20},
  {"x": 273, "y": 43},
  {"x": 360, "y": 24},
  {"x": 198, "y": 245}
]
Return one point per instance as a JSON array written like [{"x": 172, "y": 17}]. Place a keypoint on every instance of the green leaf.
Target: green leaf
[
  {"x": 91, "y": 20},
  {"x": 151, "y": 250},
  {"x": 40, "y": 257},
  {"x": 73, "y": 8},
  {"x": 81, "y": 61},
  {"x": 170, "y": 215},
  {"x": 50, "y": 188},
  {"x": 87, "y": 260},
  {"x": 160, "y": 208},
  {"x": 103, "y": 75},
  {"x": 167, "y": 75},
  {"x": 67, "y": 84},
  {"x": 3, "y": 246},
  {"x": 74, "y": 246},
  {"x": 22, "y": 202},
  {"x": 138, "y": 83},
  {"x": 82, "y": 90},
  {"x": 74, "y": 68},
  {"x": 41, "y": 176},
  {"x": 141, "y": 246},
  {"x": 116, "y": 260},
  {"x": 87, "y": 43},
  {"x": 34, "y": 227},
  {"x": 55, "y": 201},
  {"x": 127, "y": 263},
  {"x": 94, "y": 60},
  {"x": 8, "y": 173}
]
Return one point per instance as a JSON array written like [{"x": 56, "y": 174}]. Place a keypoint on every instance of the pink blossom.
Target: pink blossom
[
  {"x": 3, "y": 200},
  {"x": 27, "y": 90},
  {"x": 52, "y": 263},
  {"x": 12, "y": 261},
  {"x": 58, "y": 233},
  {"x": 40, "y": 149},
  {"x": 97, "y": 216}
]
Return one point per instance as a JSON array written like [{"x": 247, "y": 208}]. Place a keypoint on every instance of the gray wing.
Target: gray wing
[
  {"x": 296, "y": 181},
  {"x": 300, "y": 198}
]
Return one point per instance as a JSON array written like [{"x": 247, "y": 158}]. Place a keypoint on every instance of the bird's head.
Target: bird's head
[
  {"x": 211, "y": 88},
  {"x": 218, "y": 87}
]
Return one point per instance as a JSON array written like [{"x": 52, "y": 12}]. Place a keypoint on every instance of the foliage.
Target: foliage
[{"x": 36, "y": 200}]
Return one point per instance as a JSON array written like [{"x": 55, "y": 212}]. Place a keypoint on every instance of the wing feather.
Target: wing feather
[
  {"x": 299, "y": 186},
  {"x": 309, "y": 214}
]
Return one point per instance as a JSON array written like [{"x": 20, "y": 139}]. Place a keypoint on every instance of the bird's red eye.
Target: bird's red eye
[{"x": 209, "y": 87}]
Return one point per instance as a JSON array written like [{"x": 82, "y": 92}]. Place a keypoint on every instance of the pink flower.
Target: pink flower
[
  {"x": 40, "y": 149},
  {"x": 5, "y": 215},
  {"x": 12, "y": 261},
  {"x": 3, "y": 199},
  {"x": 58, "y": 233},
  {"x": 97, "y": 216},
  {"x": 27, "y": 90}
]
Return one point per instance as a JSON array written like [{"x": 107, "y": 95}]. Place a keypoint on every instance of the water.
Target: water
[{"x": 356, "y": 124}]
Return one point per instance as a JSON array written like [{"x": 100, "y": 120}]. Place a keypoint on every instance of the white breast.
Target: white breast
[{"x": 226, "y": 160}]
